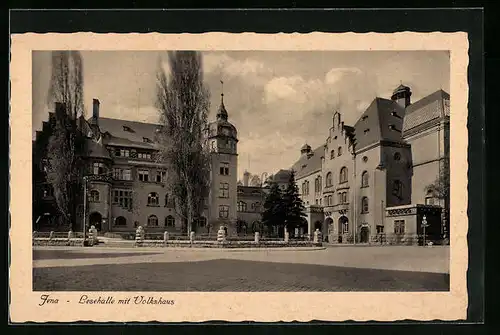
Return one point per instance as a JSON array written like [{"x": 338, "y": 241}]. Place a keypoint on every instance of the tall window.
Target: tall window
[
  {"x": 122, "y": 174},
  {"x": 364, "y": 179},
  {"x": 166, "y": 200},
  {"x": 329, "y": 181},
  {"x": 201, "y": 222},
  {"x": 153, "y": 199},
  {"x": 343, "y": 175},
  {"x": 161, "y": 176},
  {"x": 330, "y": 200},
  {"x": 256, "y": 206},
  {"x": 170, "y": 221},
  {"x": 143, "y": 175},
  {"x": 224, "y": 169},
  {"x": 332, "y": 154},
  {"x": 120, "y": 221},
  {"x": 339, "y": 151},
  {"x": 399, "y": 227},
  {"x": 94, "y": 196},
  {"x": 224, "y": 190},
  {"x": 98, "y": 168},
  {"x": 122, "y": 198},
  {"x": 397, "y": 189},
  {"x": 345, "y": 227},
  {"x": 223, "y": 211},
  {"x": 305, "y": 188},
  {"x": 152, "y": 221},
  {"x": 342, "y": 198},
  {"x": 242, "y": 206},
  {"x": 364, "y": 205}
]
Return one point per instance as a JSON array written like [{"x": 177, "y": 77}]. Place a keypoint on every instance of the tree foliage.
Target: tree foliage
[
  {"x": 63, "y": 162},
  {"x": 183, "y": 102},
  {"x": 293, "y": 204},
  {"x": 274, "y": 209}
]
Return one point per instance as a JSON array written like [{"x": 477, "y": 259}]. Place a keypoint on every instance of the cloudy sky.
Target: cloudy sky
[{"x": 277, "y": 100}]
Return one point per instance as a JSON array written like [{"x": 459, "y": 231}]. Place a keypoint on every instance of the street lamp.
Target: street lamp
[
  {"x": 424, "y": 225},
  {"x": 84, "y": 207}
]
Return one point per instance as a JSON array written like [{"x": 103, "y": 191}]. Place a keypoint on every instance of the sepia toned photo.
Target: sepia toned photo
[{"x": 264, "y": 172}]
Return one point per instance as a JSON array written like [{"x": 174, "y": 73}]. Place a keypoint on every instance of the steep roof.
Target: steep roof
[
  {"x": 282, "y": 176},
  {"x": 425, "y": 110},
  {"x": 126, "y": 133},
  {"x": 255, "y": 191},
  {"x": 95, "y": 150},
  {"x": 308, "y": 164},
  {"x": 382, "y": 121}
]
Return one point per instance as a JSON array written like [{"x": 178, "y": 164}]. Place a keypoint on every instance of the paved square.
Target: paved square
[{"x": 332, "y": 269}]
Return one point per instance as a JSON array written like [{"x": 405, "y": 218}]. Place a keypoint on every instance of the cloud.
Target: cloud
[
  {"x": 227, "y": 66},
  {"x": 336, "y": 74}
]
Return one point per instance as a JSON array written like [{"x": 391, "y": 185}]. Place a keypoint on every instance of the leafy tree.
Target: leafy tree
[
  {"x": 440, "y": 189},
  {"x": 274, "y": 210},
  {"x": 293, "y": 204},
  {"x": 63, "y": 168},
  {"x": 183, "y": 103}
]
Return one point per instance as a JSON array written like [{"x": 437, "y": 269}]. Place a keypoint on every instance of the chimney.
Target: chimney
[
  {"x": 95, "y": 111},
  {"x": 246, "y": 178}
]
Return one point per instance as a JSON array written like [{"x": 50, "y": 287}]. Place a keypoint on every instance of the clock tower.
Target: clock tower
[{"x": 223, "y": 141}]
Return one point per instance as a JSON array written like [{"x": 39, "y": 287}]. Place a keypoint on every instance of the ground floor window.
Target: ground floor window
[
  {"x": 399, "y": 227},
  {"x": 153, "y": 221},
  {"x": 380, "y": 229},
  {"x": 170, "y": 221},
  {"x": 120, "y": 221},
  {"x": 224, "y": 211}
]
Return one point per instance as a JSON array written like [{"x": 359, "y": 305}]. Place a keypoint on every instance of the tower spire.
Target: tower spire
[{"x": 222, "y": 114}]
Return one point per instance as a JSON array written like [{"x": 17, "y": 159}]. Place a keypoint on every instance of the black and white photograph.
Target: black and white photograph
[
  {"x": 252, "y": 181},
  {"x": 241, "y": 171}
]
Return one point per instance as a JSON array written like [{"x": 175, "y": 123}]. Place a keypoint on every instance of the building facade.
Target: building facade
[
  {"x": 394, "y": 151},
  {"x": 127, "y": 183}
]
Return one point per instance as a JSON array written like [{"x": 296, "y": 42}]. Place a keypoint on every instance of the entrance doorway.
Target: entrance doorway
[
  {"x": 364, "y": 235},
  {"x": 329, "y": 228},
  {"x": 95, "y": 219},
  {"x": 343, "y": 227}
]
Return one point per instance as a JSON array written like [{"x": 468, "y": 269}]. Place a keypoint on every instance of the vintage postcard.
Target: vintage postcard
[{"x": 238, "y": 177}]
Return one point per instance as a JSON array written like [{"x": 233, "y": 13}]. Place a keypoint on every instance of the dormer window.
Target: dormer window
[
  {"x": 304, "y": 166},
  {"x": 364, "y": 117},
  {"x": 395, "y": 114},
  {"x": 127, "y": 128},
  {"x": 146, "y": 140},
  {"x": 393, "y": 127},
  {"x": 367, "y": 130}
]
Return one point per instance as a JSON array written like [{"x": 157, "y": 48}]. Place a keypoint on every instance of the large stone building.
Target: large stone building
[
  {"x": 126, "y": 183},
  {"x": 361, "y": 183}
]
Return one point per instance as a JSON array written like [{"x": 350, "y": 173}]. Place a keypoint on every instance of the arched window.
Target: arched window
[
  {"x": 329, "y": 181},
  {"x": 153, "y": 199},
  {"x": 242, "y": 206},
  {"x": 364, "y": 205},
  {"x": 120, "y": 221},
  {"x": 170, "y": 221},
  {"x": 320, "y": 183},
  {"x": 339, "y": 151},
  {"x": 364, "y": 179},
  {"x": 343, "y": 175},
  {"x": 397, "y": 189},
  {"x": 166, "y": 200},
  {"x": 152, "y": 221},
  {"x": 332, "y": 154},
  {"x": 330, "y": 200},
  {"x": 94, "y": 196}
]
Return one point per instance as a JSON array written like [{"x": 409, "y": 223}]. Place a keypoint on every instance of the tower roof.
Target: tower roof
[
  {"x": 401, "y": 88},
  {"x": 222, "y": 113}
]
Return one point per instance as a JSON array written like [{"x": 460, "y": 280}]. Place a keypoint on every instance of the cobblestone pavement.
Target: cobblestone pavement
[{"x": 330, "y": 269}]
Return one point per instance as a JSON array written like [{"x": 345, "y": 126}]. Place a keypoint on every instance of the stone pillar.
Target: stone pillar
[
  {"x": 221, "y": 234},
  {"x": 51, "y": 235},
  {"x": 139, "y": 236},
  {"x": 191, "y": 237},
  {"x": 317, "y": 236},
  {"x": 287, "y": 236},
  {"x": 257, "y": 237},
  {"x": 165, "y": 237},
  {"x": 70, "y": 235}
]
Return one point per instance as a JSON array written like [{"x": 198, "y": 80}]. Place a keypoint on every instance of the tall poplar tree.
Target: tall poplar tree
[
  {"x": 183, "y": 103},
  {"x": 293, "y": 204}
]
